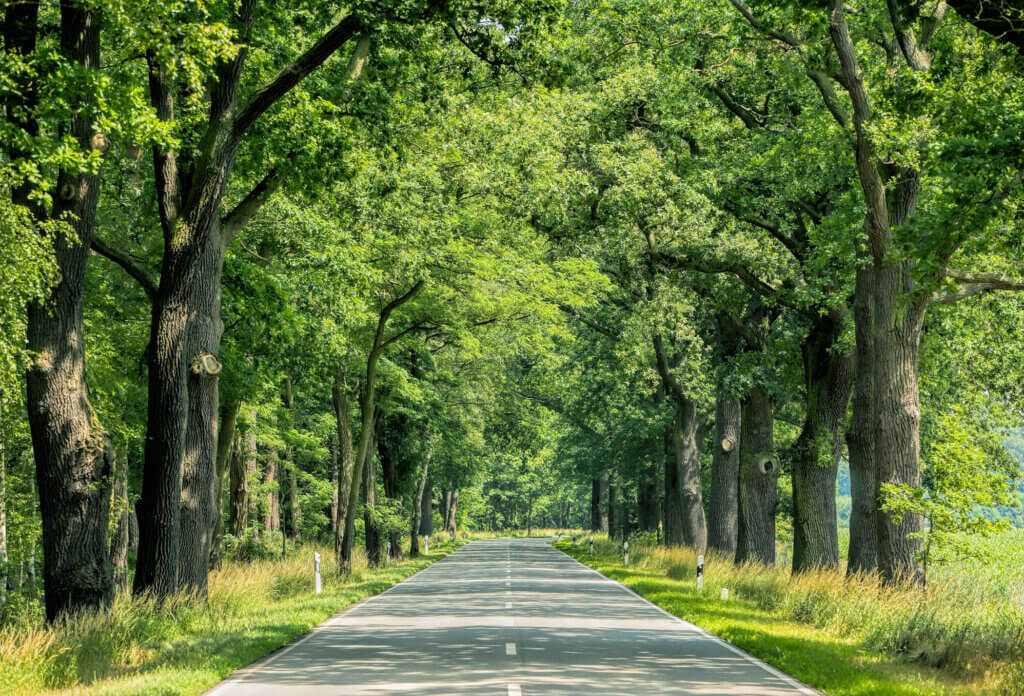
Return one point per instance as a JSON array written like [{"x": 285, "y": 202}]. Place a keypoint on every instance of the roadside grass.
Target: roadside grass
[
  {"x": 847, "y": 637},
  {"x": 182, "y": 648}
]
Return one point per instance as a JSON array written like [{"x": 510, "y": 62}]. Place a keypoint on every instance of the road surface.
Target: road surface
[{"x": 507, "y": 617}]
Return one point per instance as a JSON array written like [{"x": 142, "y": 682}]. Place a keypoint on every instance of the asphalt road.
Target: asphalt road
[{"x": 508, "y": 617}]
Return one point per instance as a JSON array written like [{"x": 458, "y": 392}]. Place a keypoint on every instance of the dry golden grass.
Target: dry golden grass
[
  {"x": 182, "y": 646},
  {"x": 965, "y": 625}
]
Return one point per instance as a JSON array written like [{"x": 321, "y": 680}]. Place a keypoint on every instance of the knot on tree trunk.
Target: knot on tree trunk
[
  {"x": 205, "y": 363},
  {"x": 767, "y": 463}
]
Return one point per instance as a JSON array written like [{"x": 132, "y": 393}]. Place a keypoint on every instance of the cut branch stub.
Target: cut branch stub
[
  {"x": 767, "y": 464},
  {"x": 205, "y": 363},
  {"x": 727, "y": 444}
]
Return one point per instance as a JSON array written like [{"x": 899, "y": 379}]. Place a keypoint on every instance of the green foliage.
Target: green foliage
[{"x": 966, "y": 470}]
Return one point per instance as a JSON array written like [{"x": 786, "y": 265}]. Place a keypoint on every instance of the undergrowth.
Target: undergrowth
[
  {"x": 966, "y": 626},
  {"x": 182, "y": 646}
]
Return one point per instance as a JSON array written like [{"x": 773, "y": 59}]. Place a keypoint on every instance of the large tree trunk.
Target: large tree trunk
[
  {"x": 240, "y": 464},
  {"x": 226, "y": 442},
  {"x": 374, "y": 542},
  {"x": 427, "y": 512},
  {"x": 417, "y": 510},
  {"x": 647, "y": 498},
  {"x": 453, "y": 509},
  {"x": 332, "y": 447},
  {"x": 72, "y": 453},
  {"x": 897, "y": 419},
  {"x": 673, "y": 510},
  {"x": 613, "y": 520},
  {"x": 159, "y": 507},
  {"x": 289, "y": 464},
  {"x": 199, "y": 484},
  {"x": 343, "y": 426},
  {"x": 368, "y": 416},
  {"x": 389, "y": 479},
  {"x": 758, "y": 477},
  {"x": 122, "y": 528},
  {"x": 272, "y": 513},
  {"x": 891, "y": 196},
  {"x": 683, "y": 505},
  {"x": 445, "y": 502},
  {"x": 686, "y": 448},
  {"x": 863, "y": 555},
  {"x": 725, "y": 469},
  {"x": 294, "y": 509},
  {"x": 3, "y": 512},
  {"x": 828, "y": 378},
  {"x": 598, "y": 493}
]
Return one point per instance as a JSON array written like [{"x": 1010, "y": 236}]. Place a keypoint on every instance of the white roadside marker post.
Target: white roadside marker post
[
  {"x": 625, "y": 554},
  {"x": 426, "y": 544},
  {"x": 316, "y": 571},
  {"x": 700, "y": 573},
  {"x": 725, "y": 593},
  {"x": 591, "y": 544},
  {"x": 387, "y": 557}
]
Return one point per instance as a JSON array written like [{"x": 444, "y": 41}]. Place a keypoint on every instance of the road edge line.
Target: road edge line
[{"x": 774, "y": 671}]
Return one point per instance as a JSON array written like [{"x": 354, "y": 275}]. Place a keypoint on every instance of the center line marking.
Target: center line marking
[
  {"x": 508, "y": 605},
  {"x": 510, "y": 648},
  {"x": 514, "y": 690}
]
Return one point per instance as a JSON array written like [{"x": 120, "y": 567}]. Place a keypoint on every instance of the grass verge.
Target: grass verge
[
  {"x": 182, "y": 648},
  {"x": 844, "y": 637}
]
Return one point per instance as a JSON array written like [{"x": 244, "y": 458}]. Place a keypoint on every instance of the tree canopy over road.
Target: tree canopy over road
[{"x": 273, "y": 272}]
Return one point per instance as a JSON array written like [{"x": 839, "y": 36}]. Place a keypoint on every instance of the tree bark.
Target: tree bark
[
  {"x": 897, "y": 420},
  {"x": 244, "y": 452},
  {"x": 189, "y": 219},
  {"x": 427, "y": 512},
  {"x": 374, "y": 542},
  {"x": 226, "y": 443},
  {"x": 332, "y": 447},
  {"x": 343, "y": 425},
  {"x": 647, "y": 498},
  {"x": 72, "y": 452},
  {"x": 673, "y": 509},
  {"x": 684, "y": 503},
  {"x": 723, "y": 507},
  {"x": 368, "y": 408},
  {"x": 417, "y": 511},
  {"x": 598, "y": 493},
  {"x": 122, "y": 528},
  {"x": 272, "y": 514},
  {"x": 891, "y": 196},
  {"x": 453, "y": 510},
  {"x": 863, "y": 553},
  {"x": 199, "y": 482},
  {"x": 614, "y": 522},
  {"x": 828, "y": 379},
  {"x": 289, "y": 464},
  {"x": 389, "y": 479},
  {"x": 758, "y": 481}
]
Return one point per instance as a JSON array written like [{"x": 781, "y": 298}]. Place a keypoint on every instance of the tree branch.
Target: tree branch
[
  {"x": 781, "y": 35},
  {"x": 294, "y": 73},
  {"x": 165, "y": 166},
  {"x": 976, "y": 285},
  {"x": 125, "y": 262},
  {"x": 599, "y": 328},
  {"x": 993, "y": 18},
  {"x": 234, "y": 221}
]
